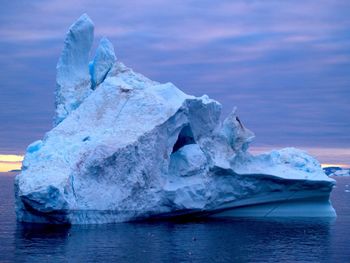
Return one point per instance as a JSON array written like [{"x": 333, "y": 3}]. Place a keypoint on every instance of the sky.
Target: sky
[{"x": 284, "y": 64}]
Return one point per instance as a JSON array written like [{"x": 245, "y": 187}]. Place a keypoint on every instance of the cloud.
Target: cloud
[
  {"x": 10, "y": 162},
  {"x": 285, "y": 65},
  {"x": 11, "y": 158}
]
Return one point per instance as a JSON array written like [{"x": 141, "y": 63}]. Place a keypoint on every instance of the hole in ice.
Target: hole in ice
[{"x": 185, "y": 137}]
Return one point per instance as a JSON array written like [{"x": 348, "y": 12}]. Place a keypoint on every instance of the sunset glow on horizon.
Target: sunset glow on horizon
[
  {"x": 341, "y": 165},
  {"x": 285, "y": 66},
  {"x": 10, "y": 162}
]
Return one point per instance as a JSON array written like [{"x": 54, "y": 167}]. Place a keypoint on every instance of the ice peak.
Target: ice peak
[
  {"x": 73, "y": 78},
  {"x": 84, "y": 17},
  {"x": 102, "y": 63}
]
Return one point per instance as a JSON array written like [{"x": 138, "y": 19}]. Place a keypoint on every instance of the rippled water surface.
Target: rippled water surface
[{"x": 240, "y": 240}]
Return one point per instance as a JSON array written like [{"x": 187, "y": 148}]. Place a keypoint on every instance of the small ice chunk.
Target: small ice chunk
[{"x": 187, "y": 161}]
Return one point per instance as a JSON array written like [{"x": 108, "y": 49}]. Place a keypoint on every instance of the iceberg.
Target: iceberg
[
  {"x": 126, "y": 148},
  {"x": 336, "y": 171}
]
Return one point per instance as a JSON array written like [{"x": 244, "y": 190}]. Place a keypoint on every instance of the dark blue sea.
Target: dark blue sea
[{"x": 239, "y": 240}]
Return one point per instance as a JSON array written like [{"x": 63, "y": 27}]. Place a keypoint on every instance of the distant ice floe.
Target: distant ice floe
[{"x": 337, "y": 171}]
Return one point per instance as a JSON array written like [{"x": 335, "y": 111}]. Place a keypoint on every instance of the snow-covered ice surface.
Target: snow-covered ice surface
[{"x": 128, "y": 148}]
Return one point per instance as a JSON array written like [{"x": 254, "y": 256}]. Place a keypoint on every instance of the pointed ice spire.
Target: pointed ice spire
[
  {"x": 236, "y": 134},
  {"x": 102, "y": 63},
  {"x": 73, "y": 78}
]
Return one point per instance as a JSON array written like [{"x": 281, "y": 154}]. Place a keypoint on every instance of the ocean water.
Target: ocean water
[{"x": 239, "y": 240}]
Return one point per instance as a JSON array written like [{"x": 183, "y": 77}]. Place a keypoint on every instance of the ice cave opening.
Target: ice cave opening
[{"x": 185, "y": 137}]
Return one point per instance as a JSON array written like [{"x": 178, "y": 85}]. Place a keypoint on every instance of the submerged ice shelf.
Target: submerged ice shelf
[{"x": 127, "y": 148}]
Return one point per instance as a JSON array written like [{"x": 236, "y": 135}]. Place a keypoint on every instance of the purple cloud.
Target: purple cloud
[{"x": 285, "y": 65}]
